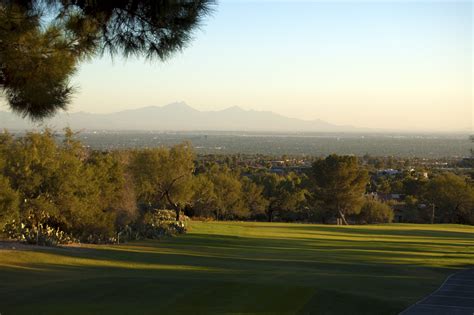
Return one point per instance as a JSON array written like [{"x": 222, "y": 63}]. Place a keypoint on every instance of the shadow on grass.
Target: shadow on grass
[
  {"x": 250, "y": 254},
  {"x": 214, "y": 274},
  {"x": 430, "y": 231},
  {"x": 235, "y": 285}
]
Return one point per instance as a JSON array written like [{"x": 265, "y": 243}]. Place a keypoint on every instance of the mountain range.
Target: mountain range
[{"x": 177, "y": 117}]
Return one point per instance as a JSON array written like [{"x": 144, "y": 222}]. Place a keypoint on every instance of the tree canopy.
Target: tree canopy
[
  {"x": 42, "y": 42},
  {"x": 340, "y": 184},
  {"x": 453, "y": 198},
  {"x": 51, "y": 185},
  {"x": 163, "y": 174},
  {"x": 282, "y": 192},
  {"x": 373, "y": 211}
]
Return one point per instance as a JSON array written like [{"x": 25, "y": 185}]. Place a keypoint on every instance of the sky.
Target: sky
[{"x": 402, "y": 65}]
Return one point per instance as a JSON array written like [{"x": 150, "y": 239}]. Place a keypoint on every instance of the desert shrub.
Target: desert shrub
[
  {"x": 373, "y": 211},
  {"x": 168, "y": 215},
  {"x": 162, "y": 223},
  {"x": 100, "y": 232},
  {"x": 39, "y": 234},
  {"x": 155, "y": 225}
]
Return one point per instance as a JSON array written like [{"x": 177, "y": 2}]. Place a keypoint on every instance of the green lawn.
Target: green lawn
[{"x": 224, "y": 267}]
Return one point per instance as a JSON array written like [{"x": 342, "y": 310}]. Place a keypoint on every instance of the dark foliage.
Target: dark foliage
[{"x": 42, "y": 42}]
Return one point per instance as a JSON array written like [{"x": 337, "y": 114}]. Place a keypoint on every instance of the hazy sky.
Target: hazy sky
[{"x": 400, "y": 64}]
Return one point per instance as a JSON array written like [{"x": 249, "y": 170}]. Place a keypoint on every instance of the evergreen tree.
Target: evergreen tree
[
  {"x": 42, "y": 42},
  {"x": 340, "y": 184}
]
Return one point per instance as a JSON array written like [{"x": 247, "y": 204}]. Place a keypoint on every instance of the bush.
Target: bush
[
  {"x": 155, "y": 225},
  {"x": 40, "y": 234},
  {"x": 168, "y": 215},
  {"x": 373, "y": 211}
]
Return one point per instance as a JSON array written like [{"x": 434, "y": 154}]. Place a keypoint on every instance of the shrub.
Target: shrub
[
  {"x": 155, "y": 225},
  {"x": 39, "y": 234},
  {"x": 161, "y": 223},
  {"x": 373, "y": 211}
]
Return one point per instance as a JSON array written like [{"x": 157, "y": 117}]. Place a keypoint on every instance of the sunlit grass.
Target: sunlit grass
[{"x": 239, "y": 267}]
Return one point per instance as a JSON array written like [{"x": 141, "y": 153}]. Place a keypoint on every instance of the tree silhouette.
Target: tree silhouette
[{"x": 43, "y": 41}]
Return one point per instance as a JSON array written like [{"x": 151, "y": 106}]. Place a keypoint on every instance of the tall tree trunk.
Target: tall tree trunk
[
  {"x": 270, "y": 215},
  {"x": 343, "y": 217},
  {"x": 37, "y": 233},
  {"x": 432, "y": 213},
  {"x": 175, "y": 206}
]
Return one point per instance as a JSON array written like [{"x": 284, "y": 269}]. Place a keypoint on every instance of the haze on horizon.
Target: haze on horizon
[{"x": 403, "y": 65}]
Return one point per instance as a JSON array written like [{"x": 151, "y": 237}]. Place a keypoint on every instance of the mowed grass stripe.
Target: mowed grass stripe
[{"x": 240, "y": 267}]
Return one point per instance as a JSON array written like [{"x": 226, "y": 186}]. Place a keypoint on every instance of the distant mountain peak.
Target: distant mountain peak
[
  {"x": 177, "y": 105},
  {"x": 234, "y": 109},
  {"x": 179, "y": 116}
]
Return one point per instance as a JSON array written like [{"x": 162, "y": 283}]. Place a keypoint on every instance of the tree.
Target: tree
[
  {"x": 63, "y": 185},
  {"x": 204, "y": 196},
  {"x": 8, "y": 203},
  {"x": 383, "y": 186},
  {"x": 413, "y": 186},
  {"x": 252, "y": 195},
  {"x": 32, "y": 165},
  {"x": 471, "y": 137},
  {"x": 228, "y": 202},
  {"x": 106, "y": 194},
  {"x": 164, "y": 174},
  {"x": 373, "y": 211},
  {"x": 340, "y": 184},
  {"x": 451, "y": 197},
  {"x": 125, "y": 205},
  {"x": 42, "y": 42},
  {"x": 284, "y": 193}
]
